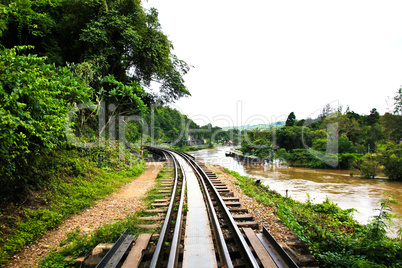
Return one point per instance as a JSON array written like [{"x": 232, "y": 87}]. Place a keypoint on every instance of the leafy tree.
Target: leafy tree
[
  {"x": 372, "y": 118},
  {"x": 126, "y": 98},
  {"x": 34, "y": 100},
  {"x": 348, "y": 126},
  {"x": 345, "y": 145},
  {"x": 290, "y": 121},
  {"x": 370, "y": 136},
  {"x": 391, "y": 159},
  {"x": 117, "y": 35},
  {"x": 290, "y": 138},
  {"x": 398, "y": 102},
  {"x": 369, "y": 165},
  {"x": 353, "y": 115},
  {"x": 21, "y": 24},
  {"x": 392, "y": 127},
  {"x": 326, "y": 111},
  {"x": 165, "y": 123}
]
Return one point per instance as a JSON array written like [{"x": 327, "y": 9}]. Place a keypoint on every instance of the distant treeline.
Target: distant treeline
[
  {"x": 166, "y": 124},
  {"x": 335, "y": 139}
]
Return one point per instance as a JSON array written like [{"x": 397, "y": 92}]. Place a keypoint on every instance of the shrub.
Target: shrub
[{"x": 391, "y": 159}]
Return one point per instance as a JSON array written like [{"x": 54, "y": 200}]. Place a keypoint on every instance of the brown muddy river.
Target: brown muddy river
[{"x": 348, "y": 192}]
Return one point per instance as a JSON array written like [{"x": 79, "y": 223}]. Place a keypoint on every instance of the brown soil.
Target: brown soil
[{"x": 115, "y": 207}]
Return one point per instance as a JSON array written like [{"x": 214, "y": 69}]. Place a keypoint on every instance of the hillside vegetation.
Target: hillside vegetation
[
  {"x": 336, "y": 139},
  {"x": 73, "y": 98}
]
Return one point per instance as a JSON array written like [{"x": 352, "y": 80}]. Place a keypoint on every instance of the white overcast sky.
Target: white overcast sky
[{"x": 256, "y": 61}]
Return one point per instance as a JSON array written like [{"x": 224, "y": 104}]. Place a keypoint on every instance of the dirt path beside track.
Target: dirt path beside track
[{"x": 114, "y": 207}]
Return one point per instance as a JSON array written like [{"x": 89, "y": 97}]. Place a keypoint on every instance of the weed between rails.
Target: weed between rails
[{"x": 333, "y": 236}]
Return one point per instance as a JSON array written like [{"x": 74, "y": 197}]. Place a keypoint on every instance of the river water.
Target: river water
[{"x": 348, "y": 192}]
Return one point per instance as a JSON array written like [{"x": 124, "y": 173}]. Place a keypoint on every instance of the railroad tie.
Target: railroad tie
[
  {"x": 156, "y": 210},
  {"x": 160, "y": 203},
  {"x": 232, "y": 204},
  {"x": 135, "y": 255},
  {"x": 251, "y": 224},
  {"x": 218, "y": 184},
  {"x": 151, "y": 218},
  {"x": 164, "y": 191},
  {"x": 260, "y": 251},
  {"x": 147, "y": 226},
  {"x": 232, "y": 199},
  {"x": 161, "y": 200},
  {"x": 243, "y": 217}
]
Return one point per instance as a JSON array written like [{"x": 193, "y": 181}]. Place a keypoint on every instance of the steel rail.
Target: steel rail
[
  {"x": 162, "y": 237},
  {"x": 283, "y": 260},
  {"x": 248, "y": 256},
  {"x": 245, "y": 251},
  {"x": 174, "y": 252},
  {"x": 222, "y": 247},
  {"x": 221, "y": 244},
  {"x": 279, "y": 255},
  {"x": 114, "y": 255}
]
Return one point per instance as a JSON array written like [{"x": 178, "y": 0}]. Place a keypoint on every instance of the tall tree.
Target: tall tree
[
  {"x": 372, "y": 118},
  {"x": 392, "y": 127},
  {"x": 290, "y": 121},
  {"x": 117, "y": 36},
  {"x": 398, "y": 102}
]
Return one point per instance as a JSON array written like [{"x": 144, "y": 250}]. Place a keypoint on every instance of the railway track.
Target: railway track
[{"x": 203, "y": 226}]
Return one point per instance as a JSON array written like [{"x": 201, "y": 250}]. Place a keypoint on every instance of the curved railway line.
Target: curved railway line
[{"x": 203, "y": 226}]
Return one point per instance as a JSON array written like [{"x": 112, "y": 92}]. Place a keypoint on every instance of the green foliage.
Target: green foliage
[
  {"x": 285, "y": 214},
  {"x": 333, "y": 140},
  {"x": 34, "y": 100},
  {"x": 78, "y": 245},
  {"x": 290, "y": 121},
  {"x": 345, "y": 145},
  {"x": 378, "y": 226},
  {"x": 127, "y": 99},
  {"x": 391, "y": 159},
  {"x": 369, "y": 165},
  {"x": 77, "y": 179},
  {"x": 392, "y": 127},
  {"x": 290, "y": 137},
  {"x": 346, "y": 160},
  {"x": 333, "y": 236},
  {"x": 398, "y": 102},
  {"x": 22, "y": 25},
  {"x": 166, "y": 124},
  {"x": 120, "y": 37}
]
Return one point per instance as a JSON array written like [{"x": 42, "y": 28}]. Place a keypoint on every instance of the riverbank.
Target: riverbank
[
  {"x": 347, "y": 192},
  {"x": 333, "y": 236}
]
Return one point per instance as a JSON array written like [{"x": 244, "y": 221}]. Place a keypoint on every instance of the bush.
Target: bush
[
  {"x": 391, "y": 159},
  {"x": 34, "y": 100},
  {"x": 368, "y": 165}
]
